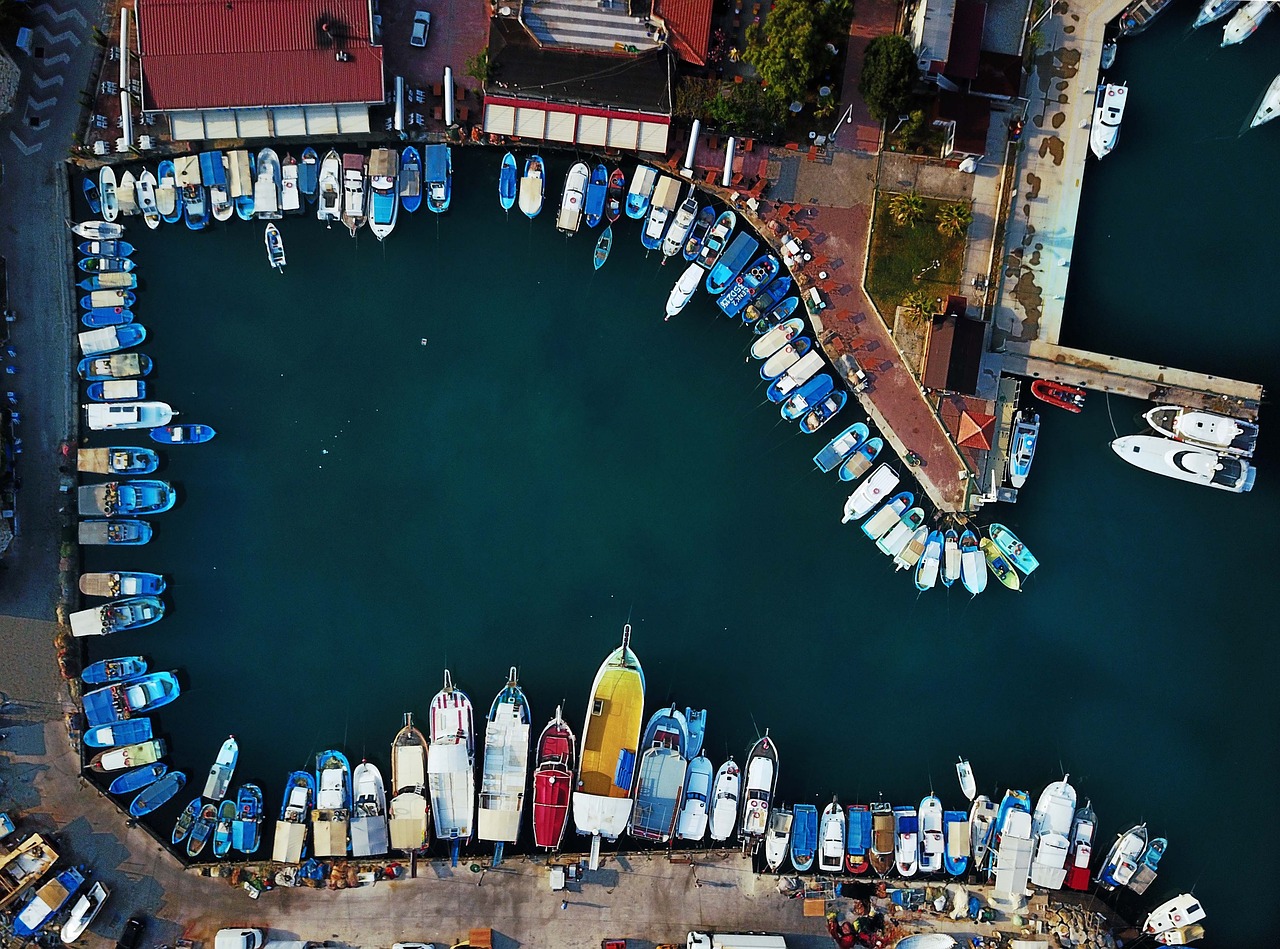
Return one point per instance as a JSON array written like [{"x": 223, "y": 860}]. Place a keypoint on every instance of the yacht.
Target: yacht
[
  {"x": 684, "y": 289},
  {"x": 760, "y": 778},
  {"x": 1108, "y": 111},
  {"x": 1245, "y": 21},
  {"x": 1186, "y": 462},
  {"x": 1204, "y": 429},
  {"x": 1269, "y": 108},
  {"x": 1212, "y": 10}
]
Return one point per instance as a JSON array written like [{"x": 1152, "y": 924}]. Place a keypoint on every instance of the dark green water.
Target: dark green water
[{"x": 556, "y": 459}]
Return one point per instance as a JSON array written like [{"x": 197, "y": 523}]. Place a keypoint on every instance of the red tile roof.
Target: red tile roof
[
  {"x": 211, "y": 54},
  {"x": 688, "y": 27}
]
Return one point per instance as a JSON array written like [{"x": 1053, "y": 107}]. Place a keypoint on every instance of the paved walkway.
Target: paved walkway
[{"x": 860, "y": 132}]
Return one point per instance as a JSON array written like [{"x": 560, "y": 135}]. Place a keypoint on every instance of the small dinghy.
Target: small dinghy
[
  {"x": 1060, "y": 395},
  {"x": 603, "y": 246},
  {"x": 108, "y": 671},
  {"x": 186, "y": 820},
  {"x": 158, "y": 794},
  {"x": 508, "y": 183},
  {"x": 182, "y": 434}
]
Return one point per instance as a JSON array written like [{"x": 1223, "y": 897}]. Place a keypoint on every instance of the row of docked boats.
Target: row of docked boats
[
  {"x": 44, "y": 905},
  {"x": 1245, "y": 17},
  {"x": 1195, "y": 446}
]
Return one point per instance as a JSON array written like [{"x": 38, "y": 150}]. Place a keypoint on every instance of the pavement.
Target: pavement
[{"x": 856, "y": 129}]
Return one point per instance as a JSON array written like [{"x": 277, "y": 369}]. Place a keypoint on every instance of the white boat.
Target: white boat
[
  {"x": 167, "y": 193},
  {"x": 684, "y": 289},
  {"x": 950, "y": 559},
  {"x": 1051, "y": 830},
  {"x": 982, "y": 819},
  {"x": 1206, "y": 429},
  {"x": 266, "y": 187},
  {"x": 355, "y": 198},
  {"x": 895, "y": 537},
  {"x": 331, "y": 818},
  {"x": 666, "y": 195},
  {"x": 1212, "y": 10},
  {"x": 275, "y": 247},
  {"x": 759, "y": 782},
  {"x": 906, "y": 841},
  {"x": 695, "y": 812},
  {"x": 1182, "y": 936},
  {"x": 98, "y": 230},
  {"x": 107, "y": 339},
  {"x": 384, "y": 202},
  {"x": 1108, "y": 112},
  {"x": 831, "y": 831},
  {"x": 83, "y": 912},
  {"x": 777, "y": 838},
  {"x": 505, "y": 767},
  {"x": 290, "y": 840},
  {"x": 801, "y": 372},
  {"x": 973, "y": 567},
  {"x": 127, "y": 194},
  {"x": 224, "y": 766},
  {"x": 681, "y": 224},
  {"x": 239, "y": 176},
  {"x": 368, "y": 812},
  {"x": 451, "y": 765},
  {"x": 112, "y": 416},
  {"x": 1022, "y": 449},
  {"x": 1123, "y": 858},
  {"x": 329, "y": 199},
  {"x": 146, "y": 188},
  {"x": 1182, "y": 910},
  {"x": 1269, "y": 107},
  {"x": 1245, "y": 22},
  {"x": 575, "y": 185},
  {"x": 931, "y": 841},
  {"x": 107, "y": 195},
  {"x": 290, "y": 196},
  {"x": 870, "y": 493},
  {"x": 724, "y": 805},
  {"x": 964, "y": 771},
  {"x": 409, "y": 828},
  {"x": 221, "y": 205},
  {"x": 776, "y": 338},
  {"x": 1185, "y": 462}
]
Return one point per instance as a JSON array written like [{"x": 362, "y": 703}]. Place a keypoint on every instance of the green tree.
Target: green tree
[
  {"x": 888, "y": 76},
  {"x": 787, "y": 49},
  {"x": 906, "y": 208},
  {"x": 477, "y": 66},
  {"x": 954, "y": 219},
  {"x": 694, "y": 97},
  {"x": 917, "y": 305}
]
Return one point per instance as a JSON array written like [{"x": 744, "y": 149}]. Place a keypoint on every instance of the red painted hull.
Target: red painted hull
[
  {"x": 1078, "y": 878},
  {"x": 553, "y": 784},
  {"x": 1059, "y": 395}
]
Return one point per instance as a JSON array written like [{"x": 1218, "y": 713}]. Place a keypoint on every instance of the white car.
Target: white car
[{"x": 421, "y": 27}]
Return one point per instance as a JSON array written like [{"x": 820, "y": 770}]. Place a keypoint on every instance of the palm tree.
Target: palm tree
[
  {"x": 954, "y": 219},
  {"x": 917, "y": 305},
  {"x": 906, "y": 209}
]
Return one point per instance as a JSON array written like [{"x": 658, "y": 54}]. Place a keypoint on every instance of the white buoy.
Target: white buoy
[
  {"x": 693, "y": 146},
  {"x": 448, "y": 96},
  {"x": 729, "y": 148}
]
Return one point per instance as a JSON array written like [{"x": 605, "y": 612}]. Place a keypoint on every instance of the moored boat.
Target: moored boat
[
  {"x": 330, "y": 192},
  {"x": 666, "y": 197},
  {"x": 951, "y": 563},
  {"x": 909, "y": 556},
  {"x": 220, "y": 772},
  {"x": 191, "y": 192},
  {"x": 157, "y": 794},
  {"x": 116, "y": 616},
  {"x": 739, "y": 293},
  {"x": 107, "y": 193},
  {"x": 678, "y": 231},
  {"x": 122, "y": 533},
  {"x": 777, "y": 839},
  {"x": 451, "y": 767},
  {"x": 409, "y": 817},
  {"x": 409, "y": 181},
  {"x": 83, "y": 912},
  {"x": 906, "y": 840},
  {"x": 201, "y": 830},
  {"x": 508, "y": 182},
  {"x": 1212, "y": 10},
  {"x": 1059, "y": 394},
  {"x": 902, "y": 521},
  {"x": 107, "y": 299},
  {"x": 128, "y": 732},
  {"x": 308, "y": 184},
  {"x": 126, "y": 498},
  {"x": 932, "y": 844},
  {"x": 290, "y": 196},
  {"x": 240, "y": 182},
  {"x": 569, "y": 217},
  {"x": 616, "y": 195},
  {"x": 167, "y": 202},
  {"x": 797, "y": 375},
  {"x": 533, "y": 186},
  {"x": 1183, "y": 910},
  {"x": 213, "y": 172},
  {"x": 1108, "y": 113},
  {"x": 882, "y": 844},
  {"x": 831, "y": 455},
  {"x": 824, "y": 411},
  {"x": 603, "y": 246},
  {"x": 760, "y": 779},
  {"x": 726, "y": 794},
  {"x": 98, "y": 230},
  {"x": 1015, "y": 550},
  {"x": 384, "y": 202},
  {"x": 999, "y": 565},
  {"x": 246, "y": 830},
  {"x": 695, "y": 812},
  {"x": 955, "y": 833},
  {"x": 1245, "y": 21},
  {"x": 683, "y": 290},
  {"x": 1185, "y": 462},
  {"x": 870, "y": 493},
  {"x": 1269, "y": 107},
  {"x": 222, "y": 829},
  {"x": 438, "y": 177},
  {"x": 504, "y": 771},
  {"x": 553, "y": 782},
  {"x": 776, "y": 338},
  {"x": 106, "y": 316},
  {"x": 1122, "y": 860},
  {"x": 146, "y": 188},
  {"x": 766, "y": 298},
  {"x": 861, "y": 460},
  {"x": 804, "y": 837},
  {"x": 355, "y": 200},
  {"x": 290, "y": 842},
  {"x": 140, "y": 777},
  {"x": 105, "y": 248},
  {"x": 182, "y": 434},
  {"x": 831, "y": 834},
  {"x": 1137, "y": 16},
  {"x": 127, "y": 194},
  {"x": 91, "y": 194},
  {"x": 982, "y": 820},
  {"x": 1050, "y": 829},
  {"x": 1083, "y": 826},
  {"x": 368, "y": 812},
  {"x": 594, "y": 197},
  {"x": 105, "y": 671},
  {"x": 115, "y": 366},
  {"x": 105, "y": 265},
  {"x": 887, "y": 517},
  {"x": 331, "y": 816},
  {"x": 266, "y": 186},
  {"x": 930, "y": 561},
  {"x": 640, "y": 192},
  {"x": 698, "y": 232},
  {"x": 807, "y": 396},
  {"x": 717, "y": 239},
  {"x": 117, "y": 460},
  {"x": 660, "y": 775},
  {"x": 785, "y": 358},
  {"x": 973, "y": 573},
  {"x": 1022, "y": 448},
  {"x": 730, "y": 263},
  {"x": 275, "y": 248},
  {"x": 857, "y": 843},
  {"x": 1204, "y": 429},
  {"x": 126, "y": 757}
]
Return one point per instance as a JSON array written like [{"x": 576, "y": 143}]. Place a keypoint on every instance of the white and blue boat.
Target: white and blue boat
[
  {"x": 267, "y": 184},
  {"x": 696, "y": 719},
  {"x": 786, "y": 357},
  {"x": 597, "y": 191},
  {"x": 807, "y": 396},
  {"x": 384, "y": 201},
  {"x": 824, "y": 411},
  {"x": 730, "y": 263},
  {"x": 765, "y": 300},
  {"x": 973, "y": 564},
  {"x": 98, "y": 264},
  {"x": 603, "y": 246},
  {"x": 202, "y": 830},
  {"x": 857, "y": 839},
  {"x": 713, "y": 245},
  {"x": 438, "y": 177},
  {"x": 115, "y": 734},
  {"x": 107, "y": 671},
  {"x": 641, "y": 192},
  {"x": 666, "y": 196},
  {"x": 107, "y": 299},
  {"x": 930, "y": 563},
  {"x": 841, "y": 447},
  {"x": 83, "y": 912},
  {"x": 504, "y": 770},
  {"x": 242, "y": 182},
  {"x": 140, "y": 496},
  {"x": 569, "y": 217},
  {"x": 191, "y": 193},
  {"x": 695, "y": 808},
  {"x": 698, "y": 233},
  {"x": 105, "y": 248},
  {"x": 110, "y": 281},
  {"x": 804, "y": 837},
  {"x": 861, "y": 459},
  {"x": 226, "y": 817},
  {"x": 533, "y": 185},
  {"x": 801, "y": 372},
  {"x": 106, "y": 316},
  {"x": 1210, "y": 11},
  {"x": 289, "y": 844},
  {"x": 1123, "y": 859},
  {"x": 1022, "y": 448},
  {"x": 114, "y": 616},
  {"x": 681, "y": 224},
  {"x": 308, "y": 181},
  {"x": 157, "y": 795},
  {"x": 213, "y": 172},
  {"x": 118, "y": 460},
  {"x": 90, "y": 188},
  {"x": 660, "y": 776},
  {"x": 218, "y": 782},
  {"x": 368, "y": 811},
  {"x": 508, "y": 182},
  {"x": 451, "y": 779},
  {"x": 777, "y": 314},
  {"x": 884, "y": 520},
  {"x": 168, "y": 199},
  {"x": 331, "y": 816},
  {"x": 46, "y": 902},
  {"x": 275, "y": 247},
  {"x": 141, "y": 777},
  {"x": 246, "y": 830},
  {"x": 1008, "y": 544},
  {"x": 770, "y": 342},
  {"x": 182, "y": 434},
  {"x": 955, "y": 834},
  {"x": 410, "y": 179}
]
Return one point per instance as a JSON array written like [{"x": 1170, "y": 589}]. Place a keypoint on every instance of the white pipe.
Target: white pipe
[
  {"x": 124, "y": 48},
  {"x": 399, "y": 103},
  {"x": 126, "y": 126},
  {"x": 729, "y": 149},
  {"x": 448, "y": 96},
  {"x": 126, "y": 104},
  {"x": 693, "y": 145}
]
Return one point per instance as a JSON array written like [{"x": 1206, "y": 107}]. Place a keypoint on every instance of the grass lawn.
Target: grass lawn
[{"x": 897, "y": 254}]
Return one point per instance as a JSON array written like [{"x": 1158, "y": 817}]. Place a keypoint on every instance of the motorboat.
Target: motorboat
[
  {"x": 777, "y": 839},
  {"x": 408, "y": 812},
  {"x": 744, "y": 286},
  {"x": 115, "y": 366},
  {"x": 698, "y": 232},
  {"x": 116, "y": 616},
  {"x": 504, "y": 769},
  {"x": 222, "y": 828},
  {"x": 807, "y": 396},
  {"x": 660, "y": 775},
  {"x": 1022, "y": 448},
  {"x": 508, "y": 182},
  {"x": 107, "y": 194},
  {"x": 956, "y": 843},
  {"x": 191, "y": 192},
  {"x": 999, "y": 565},
  {"x": 882, "y": 841},
  {"x": 1181, "y": 936},
  {"x": 368, "y": 811},
  {"x": 831, "y": 834},
  {"x": 760, "y": 779},
  {"x": 167, "y": 202},
  {"x": 729, "y": 264},
  {"x": 384, "y": 201},
  {"x": 553, "y": 782},
  {"x": 603, "y": 246},
  {"x": 717, "y": 239},
  {"x": 128, "y": 732},
  {"x": 83, "y": 912},
  {"x": 666, "y": 198},
  {"x": 309, "y": 174},
  {"x": 1051, "y": 824},
  {"x": 683, "y": 290},
  {"x": 1213, "y": 10},
  {"x": 275, "y": 248},
  {"x": 678, "y": 231},
  {"x": 640, "y": 192},
  {"x": 778, "y": 337},
  {"x": 909, "y": 556},
  {"x": 1183, "y": 910},
  {"x": 451, "y": 767},
  {"x": 116, "y": 532},
  {"x": 1204, "y": 429},
  {"x": 240, "y": 182},
  {"x": 190, "y": 434},
  {"x": 964, "y": 774},
  {"x": 246, "y": 830},
  {"x": 1122, "y": 860},
  {"x": 355, "y": 199},
  {"x": 888, "y": 516},
  {"x": 331, "y": 816},
  {"x": 615, "y": 195},
  {"x": 126, "y": 757},
  {"x": 1269, "y": 107},
  {"x": 533, "y": 186},
  {"x": 830, "y": 456},
  {"x": 950, "y": 557},
  {"x": 46, "y": 903},
  {"x": 804, "y": 837},
  {"x": 928, "y": 569},
  {"x": 1185, "y": 462},
  {"x": 797, "y": 375},
  {"x": 857, "y": 841},
  {"x": 220, "y": 772},
  {"x": 906, "y": 840},
  {"x": 697, "y": 721},
  {"x": 695, "y": 812},
  {"x": 973, "y": 573},
  {"x": 569, "y": 218},
  {"x": 438, "y": 177},
  {"x": 822, "y": 413},
  {"x": 1083, "y": 826},
  {"x": 98, "y": 230},
  {"x": 860, "y": 462},
  {"x": 1245, "y": 21},
  {"x": 870, "y": 493},
  {"x": 125, "y": 498},
  {"x": 982, "y": 823},
  {"x": 1013, "y": 821},
  {"x": 290, "y": 196},
  {"x": 213, "y": 174},
  {"x": 724, "y": 804},
  {"x": 290, "y": 840},
  {"x": 107, "y": 671},
  {"x": 1012, "y": 548},
  {"x": 118, "y": 460},
  {"x": 1108, "y": 113},
  {"x": 266, "y": 186},
  {"x": 201, "y": 830},
  {"x": 146, "y": 188},
  {"x": 157, "y": 794},
  {"x": 932, "y": 844},
  {"x": 329, "y": 195},
  {"x": 594, "y": 197},
  {"x": 409, "y": 181},
  {"x": 1070, "y": 398},
  {"x": 1145, "y": 875}
]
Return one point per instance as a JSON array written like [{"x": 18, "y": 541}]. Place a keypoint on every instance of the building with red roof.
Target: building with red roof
[
  {"x": 687, "y": 24},
  {"x": 259, "y": 68}
]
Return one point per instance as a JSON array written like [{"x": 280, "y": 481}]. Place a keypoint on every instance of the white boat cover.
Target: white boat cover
[
  {"x": 667, "y": 194},
  {"x": 87, "y": 622},
  {"x": 642, "y": 181},
  {"x": 531, "y": 195},
  {"x": 329, "y": 832},
  {"x": 239, "y": 177},
  {"x": 505, "y": 774},
  {"x": 570, "y": 215},
  {"x": 96, "y": 342},
  {"x": 103, "y": 416},
  {"x": 368, "y": 833},
  {"x": 186, "y": 169},
  {"x": 289, "y": 840},
  {"x": 115, "y": 390},
  {"x": 408, "y": 820},
  {"x": 1013, "y": 869},
  {"x": 452, "y": 783},
  {"x": 597, "y": 814},
  {"x": 290, "y": 196}
]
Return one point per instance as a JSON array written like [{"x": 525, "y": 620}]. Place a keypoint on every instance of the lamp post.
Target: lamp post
[{"x": 845, "y": 118}]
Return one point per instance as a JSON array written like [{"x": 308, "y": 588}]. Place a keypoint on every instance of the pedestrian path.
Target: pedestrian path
[
  {"x": 586, "y": 24},
  {"x": 58, "y": 31}
]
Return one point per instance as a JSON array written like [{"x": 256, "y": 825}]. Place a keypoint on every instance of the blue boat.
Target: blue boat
[
  {"x": 96, "y": 264},
  {"x": 182, "y": 434},
  {"x": 807, "y": 396},
  {"x": 97, "y": 301},
  {"x": 641, "y": 192},
  {"x": 124, "y": 532},
  {"x": 698, "y": 233},
  {"x": 731, "y": 263},
  {"x": 438, "y": 178},
  {"x": 841, "y": 447},
  {"x": 1155, "y": 850},
  {"x": 127, "y": 613},
  {"x": 765, "y": 300},
  {"x": 159, "y": 794},
  {"x": 597, "y": 191},
  {"x": 508, "y": 182},
  {"x": 887, "y": 516},
  {"x": 121, "y": 583},
  {"x": 91, "y": 195},
  {"x": 777, "y": 315},
  {"x": 130, "y": 699},
  {"x": 163, "y": 172},
  {"x": 1008, "y": 544},
  {"x": 106, "y": 316},
  {"x": 222, "y": 829},
  {"x": 119, "y": 366},
  {"x": 804, "y": 836},
  {"x": 139, "y": 778},
  {"x": 857, "y": 839},
  {"x": 105, "y": 248},
  {"x": 309, "y": 174},
  {"x": 1022, "y": 448},
  {"x": 201, "y": 830},
  {"x": 736, "y": 297},
  {"x": 186, "y": 820},
  {"x": 410, "y": 180},
  {"x": 660, "y": 774},
  {"x": 118, "y": 733},
  {"x": 533, "y": 186},
  {"x": 603, "y": 246},
  {"x": 106, "y": 671},
  {"x": 290, "y": 844},
  {"x": 46, "y": 902},
  {"x": 118, "y": 460},
  {"x": 696, "y": 719},
  {"x": 246, "y": 835},
  {"x": 115, "y": 281},
  {"x": 191, "y": 192},
  {"x": 113, "y": 339},
  {"x": 124, "y": 498},
  {"x": 117, "y": 390},
  {"x": 955, "y": 836},
  {"x": 244, "y": 202},
  {"x": 213, "y": 172},
  {"x": 824, "y": 411},
  {"x": 859, "y": 463}
]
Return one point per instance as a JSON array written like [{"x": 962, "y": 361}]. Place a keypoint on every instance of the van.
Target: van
[
  {"x": 698, "y": 940},
  {"x": 238, "y": 939}
]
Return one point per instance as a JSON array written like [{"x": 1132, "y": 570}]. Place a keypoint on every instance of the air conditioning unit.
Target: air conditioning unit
[{"x": 99, "y": 147}]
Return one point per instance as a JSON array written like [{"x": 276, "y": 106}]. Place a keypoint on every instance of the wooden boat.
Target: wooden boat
[
  {"x": 106, "y": 316},
  {"x": 951, "y": 562},
  {"x": 776, "y": 338},
  {"x": 1060, "y": 395},
  {"x": 999, "y": 565},
  {"x": 508, "y": 183},
  {"x": 107, "y": 194},
  {"x": 955, "y": 835},
  {"x": 266, "y": 186},
  {"x": 727, "y": 792},
  {"x": 841, "y": 447},
  {"x": 115, "y": 533},
  {"x": 115, "y": 616},
  {"x": 105, "y": 264},
  {"x": 928, "y": 569},
  {"x": 860, "y": 462},
  {"x": 807, "y": 396},
  {"x": 553, "y": 782},
  {"x": 112, "y": 734},
  {"x": 409, "y": 820},
  {"x": 127, "y": 194},
  {"x": 660, "y": 776},
  {"x": 698, "y": 232},
  {"x": 290, "y": 843},
  {"x": 1016, "y": 551},
  {"x": 713, "y": 245},
  {"x": 246, "y": 830},
  {"x": 110, "y": 339},
  {"x": 331, "y": 817},
  {"x": 368, "y": 811},
  {"x": 773, "y": 293},
  {"x": 118, "y": 280},
  {"x": 746, "y": 284},
  {"x": 972, "y": 574},
  {"x": 127, "y": 757},
  {"x": 117, "y": 366},
  {"x": 831, "y": 835},
  {"x": 857, "y": 844},
  {"x": 329, "y": 189},
  {"x": 760, "y": 779},
  {"x": 640, "y": 193},
  {"x": 186, "y": 820},
  {"x": 220, "y": 772},
  {"x": 683, "y": 291},
  {"x": 104, "y": 417},
  {"x": 785, "y": 358},
  {"x": 823, "y": 412},
  {"x": 695, "y": 812},
  {"x": 603, "y": 246},
  {"x": 355, "y": 200},
  {"x": 438, "y": 177},
  {"x": 410, "y": 179},
  {"x": 881, "y": 853},
  {"x": 201, "y": 830},
  {"x": 105, "y": 248},
  {"x": 533, "y": 186},
  {"x": 98, "y": 230},
  {"x": 384, "y": 201},
  {"x": 275, "y": 248},
  {"x": 616, "y": 195},
  {"x": 888, "y": 516},
  {"x": 594, "y": 197},
  {"x": 906, "y": 840},
  {"x": 308, "y": 184},
  {"x": 117, "y": 460},
  {"x": 91, "y": 194},
  {"x": 504, "y": 768},
  {"x": 804, "y": 837},
  {"x": 777, "y": 839},
  {"x": 678, "y": 231},
  {"x": 451, "y": 767},
  {"x": 182, "y": 434},
  {"x": 892, "y": 541},
  {"x": 116, "y": 390},
  {"x": 83, "y": 912},
  {"x": 157, "y": 794},
  {"x": 167, "y": 202},
  {"x": 290, "y": 196},
  {"x": 575, "y": 185},
  {"x": 106, "y": 299},
  {"x": 106, "y": 671}
]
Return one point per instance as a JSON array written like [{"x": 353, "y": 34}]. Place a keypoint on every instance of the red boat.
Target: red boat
[
  {"x": 553, "y": 783},
  {"x": 616, "y": 195},
  {"x": 1055, "y": 393},
  {"x": 1082, "y": 828}
]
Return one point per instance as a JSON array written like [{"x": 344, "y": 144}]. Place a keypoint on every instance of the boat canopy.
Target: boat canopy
[
  {"x": 452, "y": 789},
  {"x": 408, "y": 820},
  {"x": 212, "y": 169},
  {"x": 290, "y": 838},
  {"x": 241, "y": 177},
  {"x": 88, "y": 623},
  {"x": 186, "y": 169},
  {"x": 368, "y": 834},
  {"x": 329, "y": 834},
  {"x": 667, "y": 193},
  {"x": 383, "y": 163},
  {"x": 437, "y": 162},
  {"x": 858, "y": 837}
]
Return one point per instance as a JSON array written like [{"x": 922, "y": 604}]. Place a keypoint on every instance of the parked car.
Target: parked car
[
  {"x": 238, "y": 939},
  {"x": 421, "y": 28},
  {"x": 132, "y": 933}
]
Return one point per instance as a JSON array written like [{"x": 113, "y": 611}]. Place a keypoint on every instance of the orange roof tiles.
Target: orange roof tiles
[{"x": 688, "y": 27}]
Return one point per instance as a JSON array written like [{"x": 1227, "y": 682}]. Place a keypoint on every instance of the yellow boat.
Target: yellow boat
[
  {"x": 1001, "y": 569},
  {"x": 610, "y": 737}
]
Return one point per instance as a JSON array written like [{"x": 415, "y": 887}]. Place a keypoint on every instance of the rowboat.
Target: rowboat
[
  {"x": 786, "y": 357},
  {"x": 857, "y": 841},
  {"x": 222, "y": 829},
  {"x": 107, "y": 193},
  {"x": 182, "y": 434},
  {"x": 603, "y": 246},
  {"x": 800, "y": 373},
  {"x": 594, "y": 197},
  {"x": 110, "y": 339},
  {"x": 201, "y": 830},
  {"x": 532, "y": 186},
  {"x": 409, "y": 180},
  {"x": 717, "y": 239},
  {"x": 615, "y": 196},
  {"x": 640, "y": 192},
  {"x": 553, "y": 782},
  {"x": 507, "y": 182},
  {"x": 972, "y": 573},
  {"x": 112, "y": 734},
  {"x": 745, "y": 285},
  {"x": 105, "y": 264},
  {"x": 698, "y": 232},
  {"x": 807, "y": 396},
  {"x": 157, "y": 794},
  {"x": 409, "y": 819},
  {"x": 117, "y": 280},
  {"x": 999, "y": 565},
  {"x": 220, "y": 772},
  {"x": 1015, "y": 550},
  {"x": 766, "y": 299},
  {"x": 860, "y": 462},
  {"x": 130, "y": 756},
  {"x": 888, "y": 516},
  {"x": 246, "y": 830},
  {"x": 106, "y": 671}
]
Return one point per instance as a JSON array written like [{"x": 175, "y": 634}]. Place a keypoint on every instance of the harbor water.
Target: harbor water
[{"x": 466, "y": 448}]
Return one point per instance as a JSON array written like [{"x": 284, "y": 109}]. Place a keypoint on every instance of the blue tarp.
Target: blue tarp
[
  {"x": 99, "y": 707},
  {"x": 626, "y": 767},
  {"x": 859, "y": 833},
  {"x": 212, "y": 173},
  {"x": 437, "y": 162}
]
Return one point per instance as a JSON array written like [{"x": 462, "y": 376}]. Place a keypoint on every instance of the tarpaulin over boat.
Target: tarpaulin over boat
[
  {"x": 289, "y": 840},
  {"x": 368, "y": 834},
  {"x": 329, "y": 836}
]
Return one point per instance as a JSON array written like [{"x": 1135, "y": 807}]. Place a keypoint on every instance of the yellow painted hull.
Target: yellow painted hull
[{"x": 615, "y": 715}]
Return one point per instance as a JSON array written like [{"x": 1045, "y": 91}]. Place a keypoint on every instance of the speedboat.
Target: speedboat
[
  {"x": 906, "y": 841},
  {"x": 640, "y": 192},
  {"x": 146, "y": 188},
  {"x": 982, "y": 821},
  {"x": 126, "y": 498},
  {"x": 1186, "y": 462},
  {"x": 222, "y": 828},
  {"x": 888, "y": 516},
  {"x": 746, "y": 284},
  {"x": 694, "y": 811},
  {"x": 107, "y": 194},
  {"x": 713, "y": 245},
  {"x": 776, "y": 338},
  {"x": 1070, "y": 398},
  {"x": 857, "y": 841},
  {"x": 157, "y": 794},
  {"x": 126, "y": 757},
  {"x": 290, "y": 841},
  {"x": 329, "y": 200},
  {"x": 246, "y": 830},
  {"x": 724, "y": 805},
  {"x": 603, "y": 246},
  {"x": 368, "y": 812},
  {"x": 950, "y": 559},
  {"x": 964, "y": 774},
  {"x": 1108, "y": 112},
  {"x": 860, "y": 462},
  {"x": 98, "y": 230},
  {"x": 128, "y": 613},
  {"x": 804, "y": 837},
  {"x": 438, "y": 177},
  {"x": 408, "y": 810},
  {"x": 83, "y": 912},
  {"x": 930, "y": 562},
  {"x": 681, "y": 224},
  {"x": 1122, "y": 860},
  {"x": 354, "y": 197},
  {"x": 698, "y": 232},
  {"x": 932, "y": 845},
  {"x": 1083, "y": 826},
  {"x": 1022, "y": 448},
  {"x": 1050, "y": 829},
  {"x": 1212, "y": 10},
  {"x": 595, "y": 194},
  {"x": 451, "y": 767},
  {"x": 507, "y": 182},
  {"x": 410, "y": 179},
  {"x": 532, "y": 186},
  {"x": 569, "y": 217},
  {"x": 384, "y": 202},
  {"x": 955, "y": 836},
  {"x": 841, "y": 447},
  {"x": 882, "y": 843},
  {"x": 308, "y": 182},
  {"x": 331, "y": 817},
  {"x": 266, "y": 186},
  {"x": 1182, "y": 910},
  {"x": 504, "y": 771},
  {"x": 553, "y": 782},
  {"x": 1204, "y": 429},
  {"x": 275, "y": 248},
  {"x": 290, "y": 196},
  {"x": 1245, "y": 21},
  {"x": 118, "y": 460},
  {"x": 46, "y": 902},
  {"x": 201, "y": 830},
  {"x": 220, "y": 772},
  {"x": 615, "y": 195},
  {"x": 1269, "y": 107},
  {"x": 973, "y": 572},
  {"x": 1011, "y": 547},
  {"x": 870, "y": 493},
  {"x": 660, "y": 774},
  {"x": 777, "y": 839},
  {"x": 831, "y": 834},
  {"x": 999, "y": 564},
  {"x": 106, "y": 671},
  {"x": 760, "y": 778}
]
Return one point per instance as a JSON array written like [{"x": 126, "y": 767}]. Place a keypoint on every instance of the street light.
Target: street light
[{"x": 845, "y": 118}]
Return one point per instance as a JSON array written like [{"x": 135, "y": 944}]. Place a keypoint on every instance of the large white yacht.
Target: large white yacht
[
  {"x": 1108, "y": 111},
  {"x": 1206, "y": 429},
  {"x": 1245, "y": 22},
  {"x": 1185, "y": 462}
]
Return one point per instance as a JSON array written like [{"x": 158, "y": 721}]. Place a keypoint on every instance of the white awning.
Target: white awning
[
  {"x": 253, "y": 123},
  {"x": 530, "y": 123},
  {"x": 187, "y": 126},
  {"x": 288, "y": 843},
  {"x": 499, "y": 119},
  {"x": 653, "y": 137},
  {"x": 322, "y": 120},
  {"x": 353, "y": 118},
  {"x": 561, "y": 126},
  {"x": 290, "y": 122},
  {"x": 498, "y": 825},
  {"x": 593, "y": 129},
  {"x": 623, "y": 133},
  {"x": 220, "y": 125}
]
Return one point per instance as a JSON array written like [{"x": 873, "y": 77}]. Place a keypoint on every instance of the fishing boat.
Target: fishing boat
[
  {"x": 409, "y": 823},
  {"x": 107, "y": 194},
  {"x": 104, "y": 299},
  {"x": 1022, "y": 448},
  {"x": 95, "y": 265},
  {"x": 982, "y": 824},
  {"x": 570, "y": 215},
  {"x": 955, "y": 835},
  {"x": 438, "y": 177},
  {"x": 91, "y": 194},
  {"x": 717, "y": 239},
  {"x": 224, "y": 766},
  {"x": 1173, "y": 459},
  {"x": 1058, "y": 394},
  {"x": 117, "y": 280},
  {"x": 857, "y": 842},
  {"x": 240, "y": 182},
  {"x": 1108, "y": 112},
  {"x": 882, "y": 843},
  {"x": 951, "y": 568},
  {"x": 1269, "y": 107},
  {"x": 275, "y": 248},
  {"x": 766, "y": 299},
  {"x": 804, "y": 837},
  {"x": 972, "y": 572},
  {"x": 615, "y": 196},
  {"x": 98, "y": 230},
  {"x": 504, "y": 771},
  {"x": 213, "y": 172},
  {"x": 860, "y": 462},
  {"x": 329, "y": 199},
  {"x": 290, "y": 842},
  {"x": 355, "y": 200},
  {"x": 533, "y": 186},
  {"x": 137, "y": 497},
  {"x": 594, "y": 197},
  {"x": 384, "y": 202},
  {"x": 875, "y": 489},
  {"x": 888, "y": 516},
  {"x": 909, "y": 556},
  {"x": 831, "y": 834},
  {"x": 127, "y": 195},
  {"x": 46, "y": 903},
  {"x": 999, "y": 565},
  {"x": 928, "y": 569},
  {"x": 906, "y": 837},
  {"x": 222, "y": 829},
  {"x": 1204, "y": 429},
  {"x": 785, "y": 358},
  {"x": 106, "y": 671},
  {"x": 125, "y": 757},
  {"x": 834, "y": 452},
  {"x": 182, "y": 434},
  {"x": 308, "y": 181},
  {"x": 508, "y": 177},
  {"x": 808, "y": 395},
  {"x": 201, "y": 830},
  {"x": 246, "y": 830},
  {"x": 778, "y": 337},
  {"x": 107, "y": 316},
  {"x": 331, "y": 816},
  {"x": 191, "y": 193},
  {"x": 117, "y": 616},
  {"x": 738, "y": 294},
  {"x": 666, "y": 197},
  {"x": 660, "y": 775},
  {"x": 113, "y": 734},
  {"x": 290, "y": 196},
  {"x": 678, "y": 231},
  {"x": 1014, "y": 550},
  {"x": 117, "y": 460},
  {"x": 409, "y": 180},
  {"x": 777, "y": 840},
  {"x": 760, "y": 779},
  {"x": 1245, "y": 21},
  {"x": 130, "y": 699},
  {"x": 116, "y": 390},
  {"x": 1083, "y": 826},
  {"x": 800, "y": 372},
  {"x": 167, "y": 203},
  {"x": 1182, "y": 910},
  {"x": 727, "y": 792},
  {"x": 932, "y": 845},
  {"x": 83, "y": 912},
  {"x": 1013, "y": 820},
  {"x": 267, "y": 186},
  {"x": 451, "y": 767},
  {"x": 368, "y": 812},
  {"x": 1213, "y": 10},
  {"x": 121, "y": 533},
  {"x": 1137, "y": 16},
  {"x": 157, "y": 794},
  {"x": 1145, "y": 875},
  {"x": 138, "y": 778},
  {"x": 106, "y": 248},
  {"x": 603, "y": 246},
  {"x": 146, "y": 188},
  {"x": 640, "y": 192},
  {"x": 698, "y": 232},
  {"x": 824, "y": 411},
  {"x": 1122, "y": 860},
  {"x": 695, "y": 810},
  {"x": 610, "y": 737},
  {"x": 553, "y": 782},
  {"x": 1050, "y": 829}
]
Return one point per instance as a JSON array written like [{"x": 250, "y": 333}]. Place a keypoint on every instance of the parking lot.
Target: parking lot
[{"x": 459, "y": 30}]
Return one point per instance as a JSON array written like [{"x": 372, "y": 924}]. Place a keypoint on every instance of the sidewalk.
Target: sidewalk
[{"x": 871, "y": 18}]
